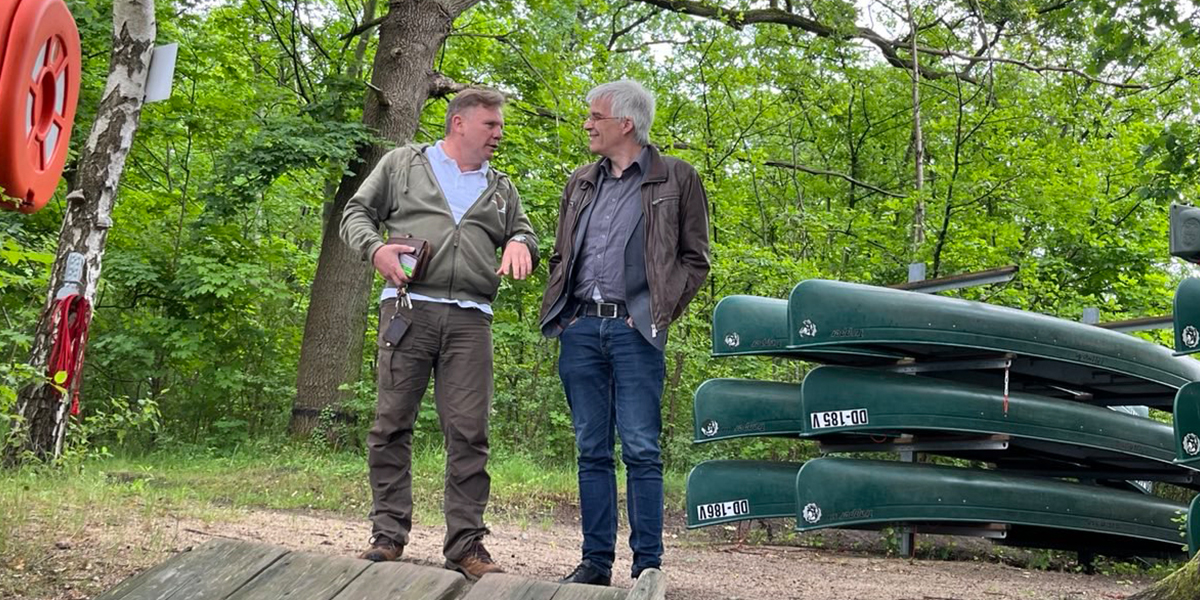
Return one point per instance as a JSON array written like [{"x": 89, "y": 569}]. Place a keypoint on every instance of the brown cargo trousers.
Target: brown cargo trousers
[{"x": 454, "y": 343}]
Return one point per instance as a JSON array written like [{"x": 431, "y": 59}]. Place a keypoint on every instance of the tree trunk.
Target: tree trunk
[
  {"x": 332, "y": 350},
  {"x": 672, "y": 392},
  {"x": 918, "y": 234},
  {"x": 1183, "y": 584},
  {"x": 42, "y": 408},
  {"x": 353, "y": 70}
]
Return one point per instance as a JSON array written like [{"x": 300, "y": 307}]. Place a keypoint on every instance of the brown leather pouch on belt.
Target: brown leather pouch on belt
[{"x": 417, "y": 262}]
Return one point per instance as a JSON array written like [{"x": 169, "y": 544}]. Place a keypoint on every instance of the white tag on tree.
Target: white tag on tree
[{"x": 162, "y": 72}]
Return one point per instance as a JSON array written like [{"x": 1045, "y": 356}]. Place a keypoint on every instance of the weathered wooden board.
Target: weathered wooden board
[
  {"x": 238, "y": 570},
  {"x": 404, "y": 581},
  {"x": 302, "y": 575},
  {"x": 578, "y": 591},
  {"x": 211, "y": 572},
  {"x": 502, "y": 586},
  {"x": 652, "y": 585}
]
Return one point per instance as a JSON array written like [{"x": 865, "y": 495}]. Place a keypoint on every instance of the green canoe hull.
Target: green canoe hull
[
  {"x": 1040, "y": 435},
  {"x": 724, "y": 409},
  {"x": 724, "y": 491},
  {"x": 1186, "y": 317},
  {"x": 757, "y": 326},
  {"x": 862, "y": 494},
  {"x": 1193, "y": 526},
  {"x": 1052, "y": 356},
  {"x": 1036, "y": 435},
  {"x": 1186, "y": 434}
]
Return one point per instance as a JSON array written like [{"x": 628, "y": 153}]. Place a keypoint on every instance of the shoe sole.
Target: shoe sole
[
  {"x": 453, "y": 566},
  {"x": 378, "y": 556}
]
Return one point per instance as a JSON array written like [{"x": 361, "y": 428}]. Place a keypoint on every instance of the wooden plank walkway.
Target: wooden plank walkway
[{"x": 238, "y": 570}]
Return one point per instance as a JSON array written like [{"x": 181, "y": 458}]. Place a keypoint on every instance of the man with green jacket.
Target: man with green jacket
[{"x": 448, "y": 195}]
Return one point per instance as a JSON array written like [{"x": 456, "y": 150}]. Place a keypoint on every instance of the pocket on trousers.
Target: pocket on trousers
[
  {"x": 566, "y": 323},
  {"x": 383, "y": 367},
  {"x": 387, "y": 309}
]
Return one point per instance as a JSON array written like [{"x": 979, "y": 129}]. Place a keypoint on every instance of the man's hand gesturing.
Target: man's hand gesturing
[{"x": 516, "y": 260}]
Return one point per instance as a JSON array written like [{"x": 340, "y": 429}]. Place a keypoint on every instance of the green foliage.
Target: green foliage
[
  {"x": 23, "y": 280},
  {"x": 120, "y": 424},
  {"x": 13, "y": 377},
  {"x": 334, "y": 429},
  {"x": 218, "y": 225},
  {"x": 280, "y": 145}
]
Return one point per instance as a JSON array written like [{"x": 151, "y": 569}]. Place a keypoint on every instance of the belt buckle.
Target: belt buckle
[{"x": 600, "y": 310}]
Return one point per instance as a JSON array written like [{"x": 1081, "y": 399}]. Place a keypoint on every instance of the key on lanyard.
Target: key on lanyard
[{"x": 405, "y": 301}]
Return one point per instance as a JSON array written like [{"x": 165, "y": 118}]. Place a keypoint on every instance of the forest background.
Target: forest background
[{"x": 1053, "y": 135}]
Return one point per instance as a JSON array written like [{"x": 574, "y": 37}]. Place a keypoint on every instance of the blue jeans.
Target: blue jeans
[{"x": 614, "y": 377}]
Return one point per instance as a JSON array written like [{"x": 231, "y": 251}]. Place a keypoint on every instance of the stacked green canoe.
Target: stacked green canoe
[{"x": 1023, "y": 393}]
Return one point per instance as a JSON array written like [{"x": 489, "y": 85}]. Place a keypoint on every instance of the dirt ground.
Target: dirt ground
[{"x": 697, "y": 566}]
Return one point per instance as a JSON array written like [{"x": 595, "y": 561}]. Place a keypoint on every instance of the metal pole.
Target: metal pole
[{"x": 908, "y": 540}]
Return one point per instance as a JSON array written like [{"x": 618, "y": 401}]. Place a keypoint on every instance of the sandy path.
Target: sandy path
[{"x": 697, "y": 570}]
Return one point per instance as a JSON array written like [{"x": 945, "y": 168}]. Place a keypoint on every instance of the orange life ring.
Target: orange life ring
[{"x": 39, "y": 87}]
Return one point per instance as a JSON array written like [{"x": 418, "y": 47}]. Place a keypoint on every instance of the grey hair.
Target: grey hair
[{"x": 630, "y": 101}]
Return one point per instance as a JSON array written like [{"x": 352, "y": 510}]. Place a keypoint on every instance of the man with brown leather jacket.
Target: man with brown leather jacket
[{"x": 630, "y": 254}]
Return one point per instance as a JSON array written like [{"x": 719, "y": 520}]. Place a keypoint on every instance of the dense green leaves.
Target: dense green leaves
[{"x": 804, "y": 144}]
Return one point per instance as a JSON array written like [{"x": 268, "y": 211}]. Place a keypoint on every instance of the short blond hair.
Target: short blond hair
[{"x": 470, "y": 98}]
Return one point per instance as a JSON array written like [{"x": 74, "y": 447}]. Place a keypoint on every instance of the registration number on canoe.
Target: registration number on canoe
[
  {"x": 722, "y": 510},
  {"x": 838, "y": 418}
]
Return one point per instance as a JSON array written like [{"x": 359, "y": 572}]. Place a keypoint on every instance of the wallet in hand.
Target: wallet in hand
[{"x": 417, "y": 262}]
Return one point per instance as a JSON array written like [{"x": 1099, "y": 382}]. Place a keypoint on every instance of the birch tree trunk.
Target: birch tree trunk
[
  {"x": 918, "y": 232},
  {"x": 43, "y": 409},
  {"x": 331, "y": 353}
]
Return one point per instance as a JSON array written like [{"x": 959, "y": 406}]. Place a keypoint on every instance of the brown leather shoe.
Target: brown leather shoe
[
  {"x": 382, "y": 550},
  {"x": 475, "y": 563}
]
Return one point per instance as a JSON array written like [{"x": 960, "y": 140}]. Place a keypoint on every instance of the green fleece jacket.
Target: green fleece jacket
[{"x": 402, "y": 194}]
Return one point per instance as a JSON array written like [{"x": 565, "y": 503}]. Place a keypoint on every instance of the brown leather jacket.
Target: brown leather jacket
[{"x": 675, "y": 208}]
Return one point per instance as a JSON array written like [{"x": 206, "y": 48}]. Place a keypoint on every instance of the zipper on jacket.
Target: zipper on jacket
[
  {"x": 453, "y": 264},
  {"x": 646, "y": 250},
  {"x": 487, "y": 193},
  {"x": 420, "y": 155}
]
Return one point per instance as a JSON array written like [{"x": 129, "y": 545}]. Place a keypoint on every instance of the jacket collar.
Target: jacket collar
[
  {"x": 491, "y": 173},
  {"x": 655, "y": 173}
]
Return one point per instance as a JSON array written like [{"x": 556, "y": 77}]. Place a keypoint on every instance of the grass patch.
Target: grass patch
[{"x": 43, "y": 511}]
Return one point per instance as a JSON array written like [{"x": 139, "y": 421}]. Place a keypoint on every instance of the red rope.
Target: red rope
[{"x": 72, "y": 314}]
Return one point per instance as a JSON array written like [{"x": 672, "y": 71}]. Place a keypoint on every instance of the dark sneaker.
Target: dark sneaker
[
  {"x": 382, "y": 550},
  {"x": 587, "y": 574},
  {"x": 475, "y": 563}
]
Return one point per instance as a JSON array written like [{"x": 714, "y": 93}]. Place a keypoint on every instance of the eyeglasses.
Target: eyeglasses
[{"x": 595, "y": 118}]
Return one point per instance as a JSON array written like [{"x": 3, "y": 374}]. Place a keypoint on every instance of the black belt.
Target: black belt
[{"x": 606, "y": 310}]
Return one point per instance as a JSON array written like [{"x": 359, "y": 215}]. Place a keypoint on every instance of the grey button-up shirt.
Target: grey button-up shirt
[{"x": 613, "y": 216}]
